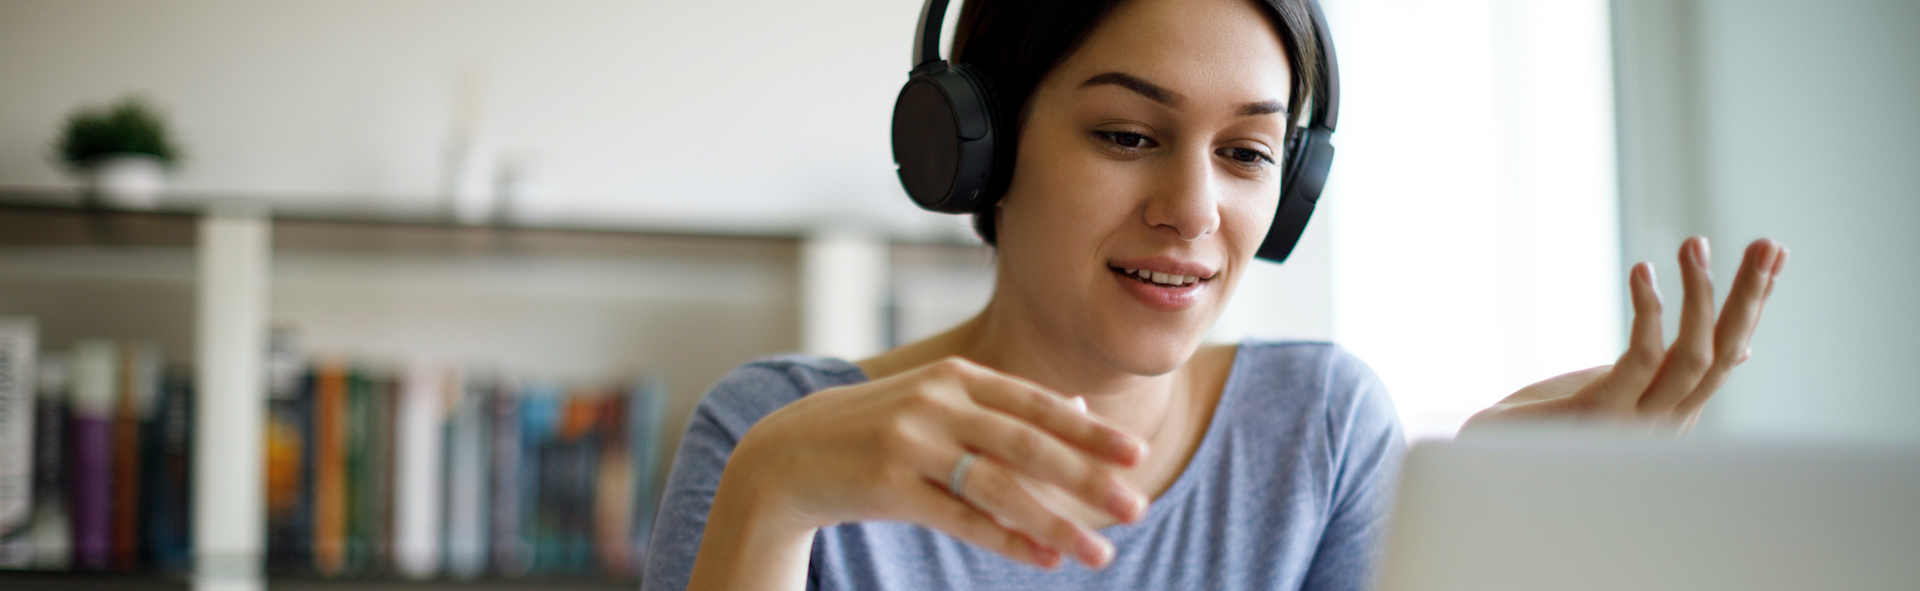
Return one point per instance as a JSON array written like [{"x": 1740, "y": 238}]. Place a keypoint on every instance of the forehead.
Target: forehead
[{"x": 1210, "y": 50}]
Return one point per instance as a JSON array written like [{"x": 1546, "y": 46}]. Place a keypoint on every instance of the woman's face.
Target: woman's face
[{"x": 1154, "y": 147}]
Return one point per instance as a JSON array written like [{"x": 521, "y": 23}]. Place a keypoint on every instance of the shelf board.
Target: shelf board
[{"x": 172, "y": 219}]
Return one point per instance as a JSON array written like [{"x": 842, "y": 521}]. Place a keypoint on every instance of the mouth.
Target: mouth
[
  {"x": 1155, "y": 278},
  {"x": 1163, "y": 285}
]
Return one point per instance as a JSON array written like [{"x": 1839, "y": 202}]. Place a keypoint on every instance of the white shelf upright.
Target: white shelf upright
[{"x": 229, "y": 529}]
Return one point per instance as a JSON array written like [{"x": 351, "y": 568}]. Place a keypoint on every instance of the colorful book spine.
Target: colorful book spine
[
  {"x": 169, "y": 474},
  {"x": 468, "y": 444},
  {"x": 96, "y": 380},
  {"x": 512, "y": 554},
  {"x": 52, "y": 532},
  {"x": 330, "y": 469},
  {"x": 613, "y": 498},
  {"x": 139, "y": 379},
  {"x": 382, "y": 446},
  {"x": 359, "y": 456},
  {"x": 539, "y": 417},
  {"x": 19, "y": 342},
  {"x": 289, "y": 456},
  {"x": 418, "y": 509},
  {"x": 647, "y": 412},
  {"x": 578, "y": 459}
]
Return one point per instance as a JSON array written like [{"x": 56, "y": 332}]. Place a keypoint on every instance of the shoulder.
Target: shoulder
[
  {"x": 759, "y": 387},
  {"x": 1309, "y": 367},
  {"x": 1312, "y": 378}
]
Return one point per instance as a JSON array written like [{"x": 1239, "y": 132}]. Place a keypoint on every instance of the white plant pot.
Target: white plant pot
[{"x": 128, "y": 181}]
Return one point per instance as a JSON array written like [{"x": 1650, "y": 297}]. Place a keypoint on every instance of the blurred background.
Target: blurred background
[{"x": 543, "y": 229}]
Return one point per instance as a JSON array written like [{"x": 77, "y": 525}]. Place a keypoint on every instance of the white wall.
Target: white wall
[
  {"x": 1798, "y": 120},
  {"x": 655, "y": 112}
]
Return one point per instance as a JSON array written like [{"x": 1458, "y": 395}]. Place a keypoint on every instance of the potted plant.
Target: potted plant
[{"x": 122, "y": 151}]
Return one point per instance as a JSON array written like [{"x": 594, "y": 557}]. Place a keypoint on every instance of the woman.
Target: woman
[{"x": 1076, "y": 434}]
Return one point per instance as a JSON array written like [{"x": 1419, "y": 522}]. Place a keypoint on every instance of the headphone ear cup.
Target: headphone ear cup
[
  {"x": 1310, "y": 157},
  {"x": 945, "y": 139},
  {"x": 944, "y": 132}
]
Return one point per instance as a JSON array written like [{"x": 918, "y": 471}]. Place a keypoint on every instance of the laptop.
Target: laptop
[{"x": 1585, "y": 512}]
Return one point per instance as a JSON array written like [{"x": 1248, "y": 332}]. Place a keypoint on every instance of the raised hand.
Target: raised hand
[
  {"x": 1654, "y": 384},
  {"x": 890, "y": 450}
]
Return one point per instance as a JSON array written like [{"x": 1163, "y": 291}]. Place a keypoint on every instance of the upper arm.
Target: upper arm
[
  {"x": 1364, "y": 431},
  {"x": 723, "y": 416}
]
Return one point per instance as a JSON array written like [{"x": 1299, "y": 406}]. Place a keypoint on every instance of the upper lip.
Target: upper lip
[{"x": 1168, "y": 265}]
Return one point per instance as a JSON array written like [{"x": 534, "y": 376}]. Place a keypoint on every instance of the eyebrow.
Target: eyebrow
[{"x": 1159, "y": 94}]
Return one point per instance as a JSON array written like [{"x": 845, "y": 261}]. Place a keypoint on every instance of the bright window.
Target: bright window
[{"x": 1474, "y": 214}]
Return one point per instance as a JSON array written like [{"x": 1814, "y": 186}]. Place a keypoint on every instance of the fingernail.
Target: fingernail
[
  {"x": 1129, "y": 450},
  {"x": 1703, "y": 251},
  {"x": 1123, "y": 503},
  {"x": 1093, "y": 550},
  {"x": 1080, "y": 404},
  {"x": 1047, "y": 557}
]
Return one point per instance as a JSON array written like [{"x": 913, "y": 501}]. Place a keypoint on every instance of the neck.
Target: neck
[{"x": 1141, "y": 405}]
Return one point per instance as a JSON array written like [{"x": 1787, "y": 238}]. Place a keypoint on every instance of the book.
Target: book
[
  {"x": 52, "y": 531},
  {"x": 329, "y": 544},
  {"x": 168, "y": 474},
  {"x": 19, "y": 342},
  {"x": 289, "y": 458},
  {"x": 139, "y": 379},
  {"x": 647, "y": 411},
  {"x": 359, "y": 465},
  {"x": 289, "y": 435},
  {"x": 467, "y": 483},
  {"x": 382, "y": 448},
  {"x": 96, "y": 380},
  {"x": 512, "y": 550},
  {"x": 575, "y": 459},
  {"x": 540, "y": 405},
  {"x": 418, "y": 510},
  {"x": 613, "y": 503}
]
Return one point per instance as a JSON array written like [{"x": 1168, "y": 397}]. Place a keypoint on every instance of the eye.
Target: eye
[
  {"x": 1247, "y": 156},
  {"x": 1126, "y": 140}
]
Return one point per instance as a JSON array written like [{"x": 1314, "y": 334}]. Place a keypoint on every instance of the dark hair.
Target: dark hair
[{"x": 1015, "y": 43}]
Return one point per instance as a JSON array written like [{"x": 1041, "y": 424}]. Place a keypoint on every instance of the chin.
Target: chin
[{"x": 1151, "y": 351}]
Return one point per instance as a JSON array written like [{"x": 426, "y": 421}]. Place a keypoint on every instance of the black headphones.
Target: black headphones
[{"x": 945, "y": 128}]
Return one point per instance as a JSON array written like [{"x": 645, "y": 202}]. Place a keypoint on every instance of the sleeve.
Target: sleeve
[
  {"x": 1365, "y": 432},
  {"x": 733, "y": 405}
]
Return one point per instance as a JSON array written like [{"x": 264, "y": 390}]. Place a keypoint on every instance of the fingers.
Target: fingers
[
  {"x": 1051, "y": 412},
  {"x": 1692, "y": 352},
  {"x": 1738, "y": 319},
  {"x": 994, "y": 490},
  {"x": 1035, "y": 454},
  {"x": 1646, "y": 346},
  {"x": 939, "y": 510}
]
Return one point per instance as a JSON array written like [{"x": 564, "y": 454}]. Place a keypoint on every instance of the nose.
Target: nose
[{"x": 1184, "y": 199}]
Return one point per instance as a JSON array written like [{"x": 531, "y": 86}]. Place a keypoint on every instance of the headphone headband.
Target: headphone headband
[
  {"x": 926, "y": 39},
  {"x": 1326, "y": 105}
]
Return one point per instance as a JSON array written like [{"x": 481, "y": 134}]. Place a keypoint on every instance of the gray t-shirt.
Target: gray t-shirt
[{"x": 1289, "y": 489}]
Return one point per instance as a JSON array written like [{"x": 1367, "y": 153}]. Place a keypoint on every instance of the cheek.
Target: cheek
[
  {"x": 1245, "y": 219},
  {"x": 1065, "y": 199}
]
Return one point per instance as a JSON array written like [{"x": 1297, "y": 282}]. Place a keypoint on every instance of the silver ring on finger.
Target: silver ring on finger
[{"x": 957, "y": 479}]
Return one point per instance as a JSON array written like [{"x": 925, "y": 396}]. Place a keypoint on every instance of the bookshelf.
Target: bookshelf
[{"x": 208, "y": 278}]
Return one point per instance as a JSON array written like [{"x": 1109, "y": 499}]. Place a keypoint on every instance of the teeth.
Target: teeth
[{"x": 1162, "y": 278}]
